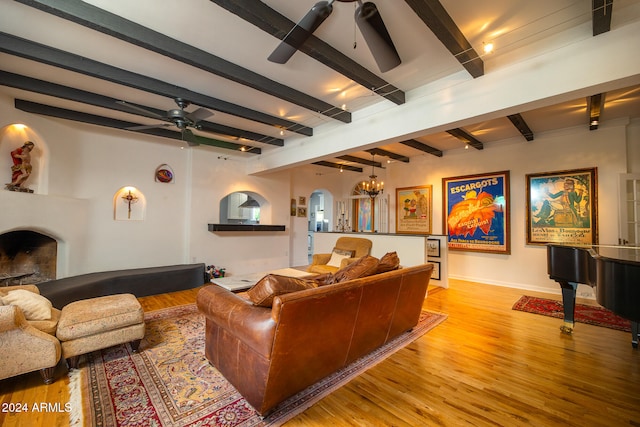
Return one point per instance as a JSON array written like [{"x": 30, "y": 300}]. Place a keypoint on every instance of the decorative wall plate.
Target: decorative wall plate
[{"x": 164, "y": 174}]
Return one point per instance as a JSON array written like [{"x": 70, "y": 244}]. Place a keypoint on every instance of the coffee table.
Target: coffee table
[{"x": 243, "y": 282}]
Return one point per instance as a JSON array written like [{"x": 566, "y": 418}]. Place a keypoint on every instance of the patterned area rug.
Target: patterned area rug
[
  {"x": 598, "y": 316},
  {"x": 170, "y": 382}
]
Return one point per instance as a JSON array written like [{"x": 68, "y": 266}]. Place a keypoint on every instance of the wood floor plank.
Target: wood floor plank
[{"x": 486, "y": 365}]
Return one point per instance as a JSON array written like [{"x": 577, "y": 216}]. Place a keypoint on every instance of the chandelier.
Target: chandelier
[{"x": 373, "y": 187}]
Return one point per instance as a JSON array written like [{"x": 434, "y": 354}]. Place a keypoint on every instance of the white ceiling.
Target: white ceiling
[{"x": 511, "y": 24}]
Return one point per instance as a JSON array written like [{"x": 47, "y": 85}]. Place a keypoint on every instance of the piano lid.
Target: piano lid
[
  {"x": 619, "y": 253},
  {"x": 625, "y": 254}
]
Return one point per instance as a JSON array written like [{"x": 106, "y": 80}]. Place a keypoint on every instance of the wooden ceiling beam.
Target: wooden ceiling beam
[
  {"x": 355, "y": 159},
  {"x": 389, "y": 154},
  {"x": 521, "y": 125},
  {"x": 601, "y": 11},
  {"x": 72, "y": 94},
  {"x": 38, "y": 52},
  {"x": 466, "y": 138},
  {"x": 435, "y": 16},
  {"x": 422, "y": 147},
  {"x": 272, "y": 22},
  {"x": 62, "y": 113},
  {"x": 105, "y": 22},
  {"x": 338, "y": 166}
]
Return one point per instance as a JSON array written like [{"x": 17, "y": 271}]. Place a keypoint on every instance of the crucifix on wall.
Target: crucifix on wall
[{"x": 129, "y": 199}]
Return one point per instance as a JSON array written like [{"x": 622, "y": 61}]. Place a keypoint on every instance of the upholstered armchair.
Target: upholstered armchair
[
  {"x": 346, "y": 251},
  {"x": 23, "y": 348},
  {"x": 28, "y": 325}
]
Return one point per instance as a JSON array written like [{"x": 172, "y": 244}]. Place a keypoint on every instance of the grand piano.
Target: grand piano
[{"x": 614, "y": 272}]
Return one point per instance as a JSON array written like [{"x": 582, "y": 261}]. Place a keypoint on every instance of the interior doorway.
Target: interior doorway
[{"x": 320, "y": 215}]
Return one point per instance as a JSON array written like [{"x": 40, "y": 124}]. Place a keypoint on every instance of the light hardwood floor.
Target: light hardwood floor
[{"x": 486, "y": 365}]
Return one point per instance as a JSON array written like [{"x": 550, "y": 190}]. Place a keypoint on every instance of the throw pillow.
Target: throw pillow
[
  {"x": 272, "y": 285},
  {"x": 34, "y": 306},
  {"x": 388, "y": 262},
  {"x": 365, "y": 266},
  {"x": 337, "y": 255}
]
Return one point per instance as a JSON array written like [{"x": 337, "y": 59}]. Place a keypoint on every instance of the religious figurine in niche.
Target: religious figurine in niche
[{"x": 21, "y": 169}]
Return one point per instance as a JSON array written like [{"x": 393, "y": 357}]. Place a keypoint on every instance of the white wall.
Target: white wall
[
  {"x": 567, "y": 149},
  {"x": 239, "y": 252},
  {"x": 88, "y": 164},
  {"x": 85, "y": 166},
  {"x": 574, "y": 148}
]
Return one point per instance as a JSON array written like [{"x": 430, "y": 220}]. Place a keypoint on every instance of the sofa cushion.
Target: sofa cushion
[
  {"x": 34, "y": 306},
  {"x": 389, "y": 261},
  {"x": 337, "y": 255},
  {"x": 365, "y": 266},
  {"x": 272, "y": 285}
]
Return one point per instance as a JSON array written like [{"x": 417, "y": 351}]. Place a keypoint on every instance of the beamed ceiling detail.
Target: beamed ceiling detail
[{"x": 438, "y": 29}]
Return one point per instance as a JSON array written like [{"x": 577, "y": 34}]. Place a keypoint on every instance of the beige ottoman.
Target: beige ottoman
[{"x": 97, "y": 323}]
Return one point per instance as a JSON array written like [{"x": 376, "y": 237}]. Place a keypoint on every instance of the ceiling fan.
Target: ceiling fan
[
  {"x": 369, "y": 22},
  {"x": 174, "y": 117}
]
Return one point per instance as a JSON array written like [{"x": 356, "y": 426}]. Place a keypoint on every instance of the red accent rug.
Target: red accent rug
[
  {"x": 592, "y": 315},
  {"x": 169, "y": 382}
]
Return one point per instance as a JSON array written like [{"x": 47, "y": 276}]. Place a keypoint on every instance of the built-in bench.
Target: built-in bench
[{"x": 138, "y": 281}]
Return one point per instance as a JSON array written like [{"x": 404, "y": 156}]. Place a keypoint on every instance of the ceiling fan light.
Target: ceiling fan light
[{"x": 377, "y": 37}]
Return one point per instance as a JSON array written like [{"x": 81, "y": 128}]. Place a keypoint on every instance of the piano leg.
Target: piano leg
[
  {"x": 569, "y": 305},
  {"x": 635, "y": 333}
]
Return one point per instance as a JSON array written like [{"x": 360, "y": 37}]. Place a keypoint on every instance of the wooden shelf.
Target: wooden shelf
[{"x": 245, "y": 227}]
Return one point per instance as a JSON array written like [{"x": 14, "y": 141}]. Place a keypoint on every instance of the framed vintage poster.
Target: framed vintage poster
[
  {"x": 476, "y": 212},
  {"x": 414, "y": 209},
  {"x": 562, "y": 207}
]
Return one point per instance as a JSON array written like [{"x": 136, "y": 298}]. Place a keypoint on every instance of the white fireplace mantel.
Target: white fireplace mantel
[{"x": 63, "y": 218}]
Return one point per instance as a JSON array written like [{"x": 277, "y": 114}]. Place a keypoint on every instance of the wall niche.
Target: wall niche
[{"x": 242, "y": 211}]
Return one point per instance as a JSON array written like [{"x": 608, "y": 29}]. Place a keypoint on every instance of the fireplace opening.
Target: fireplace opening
[{"x": 27, "y": 257}]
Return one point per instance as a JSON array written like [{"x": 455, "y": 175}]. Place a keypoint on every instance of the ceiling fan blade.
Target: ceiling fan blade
[
  {"x": 301, "y": 32},
  {"x": 188, "y": 136},
  {"x": 143, "y": 127},
  {"x": 138, "y": 109},
  {"x": 377, "y": 37},
  {"x": 199, "y": 114}
]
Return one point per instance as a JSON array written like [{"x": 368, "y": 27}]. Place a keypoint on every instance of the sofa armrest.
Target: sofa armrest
[
  {"x": 251, "y": 324},
  {"x": 24, "y": 347},
  {"x": 320, "y": 259},
  {"x": 9, "y": 318}
]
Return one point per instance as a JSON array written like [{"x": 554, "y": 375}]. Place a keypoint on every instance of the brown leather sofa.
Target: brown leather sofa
[{"x": 271, "y": 353}]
